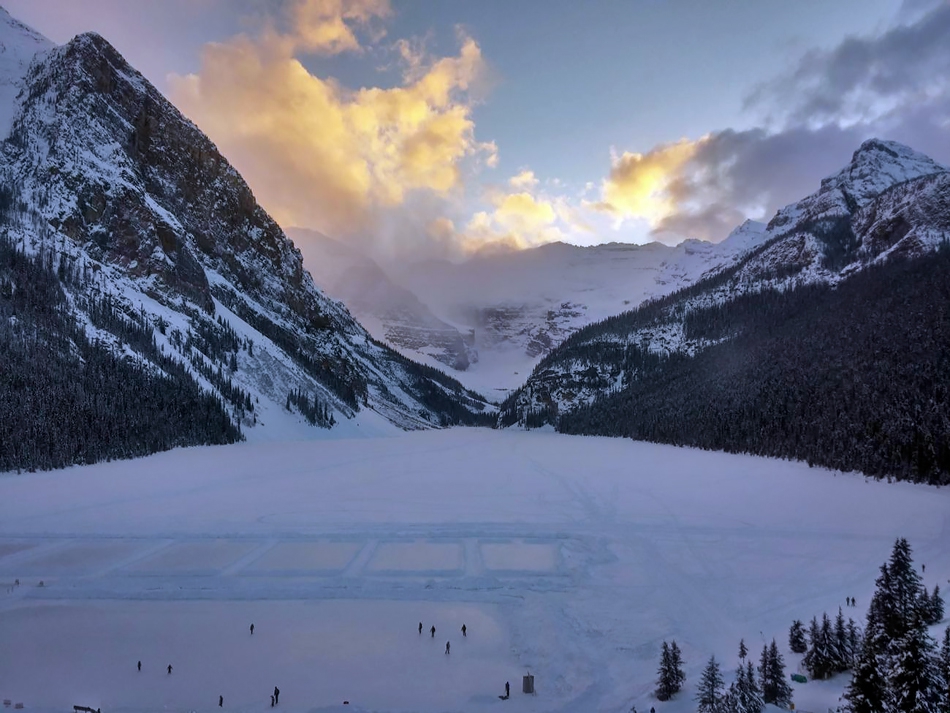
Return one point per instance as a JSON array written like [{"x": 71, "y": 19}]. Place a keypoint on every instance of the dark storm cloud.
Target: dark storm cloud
[
  {"x": 864, "y": 77},
  {"x": 738, "y": 174}
]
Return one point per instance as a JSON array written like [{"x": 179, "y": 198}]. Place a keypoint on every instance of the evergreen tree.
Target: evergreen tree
[
  {"x": 868, "y": 691},
  {"x": 709, "y": 695},
  {"x": 934, "y": 606},
  {"x": 752, "y": 702},
  {"x": 775, "y": 689},
  {"x": 677, "y": 660},
  {"x": 841, "y": 649},
  {"x": 744, "y": 695},
  {"x": 796, "y": 638},
  {"x": 904, "y": 592},
  {"x": 854, "y": 642},
  {"x": 743, "y": 651},
  {"x": 917, "y": 683},
  {"x": 670, "y": 674},
  {"x": 945, "y": 667},
  {"x": 818, "y": 659}
]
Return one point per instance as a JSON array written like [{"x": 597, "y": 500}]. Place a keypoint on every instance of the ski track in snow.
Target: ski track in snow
[{"x": 573, "y": 558}]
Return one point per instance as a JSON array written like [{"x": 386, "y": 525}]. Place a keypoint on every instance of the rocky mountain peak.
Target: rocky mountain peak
[{"x": 876, "y": 166}]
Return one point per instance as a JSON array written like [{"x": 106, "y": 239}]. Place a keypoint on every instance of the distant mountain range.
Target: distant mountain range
[
  {"x": 161, "y": 272},
  {"x": 491, "y": 318}
]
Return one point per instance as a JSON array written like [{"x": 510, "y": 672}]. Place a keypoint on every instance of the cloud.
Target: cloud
[
  {"x": 317, "y": 154},
  {"x": 638, "y": 184},
  {"x": 895, "y": 84},
  {"x": 864, "y": 79},
  {"x": 326, "y": 26},
  {"x": 525, "y": 180}
]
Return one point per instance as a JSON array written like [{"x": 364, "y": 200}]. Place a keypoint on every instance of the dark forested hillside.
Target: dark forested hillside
[
  {"x": 853, "y": 377},
  {"x": 65, "y": 399}
]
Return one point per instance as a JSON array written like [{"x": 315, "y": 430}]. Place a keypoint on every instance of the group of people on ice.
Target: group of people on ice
[
  {"x": 275, "y": 696},
  {"x": 448, "y": 644}
]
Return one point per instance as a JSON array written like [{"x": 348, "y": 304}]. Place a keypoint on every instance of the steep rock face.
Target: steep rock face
[
  {"x": 105, "y": 176},
  {"x": 890, "y": 201}
]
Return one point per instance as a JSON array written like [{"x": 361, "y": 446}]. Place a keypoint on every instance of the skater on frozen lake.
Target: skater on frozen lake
[
  {"x": 276, "y": 696},
  {"x": 464, "y": 630},
  {"x": 448, "y": 645},
  {"x": 252, "y": 630},
  {"x": 432, "y": 631},
  {"x": 507, "y": 690},
  {"x": 140, "y": 665},
  {"x": 169, "y": 669},
  {"x": 220, "y": 701},
  {"x": 420, "y": 627}
]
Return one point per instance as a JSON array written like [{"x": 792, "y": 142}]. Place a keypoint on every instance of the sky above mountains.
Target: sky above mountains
[{"x": 430, "y": 128}]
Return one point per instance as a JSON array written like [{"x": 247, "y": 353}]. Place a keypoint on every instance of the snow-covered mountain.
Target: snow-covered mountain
[
  {"x": 128, "y": 202},
  {"x": 889, "y": 201},
  {"x": 390, "y": 312},
  {"x": 494, "y": 316}
]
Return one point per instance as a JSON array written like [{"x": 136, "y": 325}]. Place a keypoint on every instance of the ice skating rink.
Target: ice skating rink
[{"x": 573, "y": 558}]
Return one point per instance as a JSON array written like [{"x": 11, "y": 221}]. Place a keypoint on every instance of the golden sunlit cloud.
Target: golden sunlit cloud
[
  {"x": 325, "y": 26},
  {"x": 638, "y": 184},
  {"x": 519, "y": 218},
  {"x": 526, "y": 180},
  {"x": 317, "y": 154}
]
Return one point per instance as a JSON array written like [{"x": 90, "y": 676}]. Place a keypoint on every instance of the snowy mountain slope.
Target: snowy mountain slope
[
  {"x": 19, "y": 44},
  {"x": 515, "y": 307},
  {"x": 389, "y": 312},
  {"x": 105, "y": 178},
  {"x": 890, "y": 201}
]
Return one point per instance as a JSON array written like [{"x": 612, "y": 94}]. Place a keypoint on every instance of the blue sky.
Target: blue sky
[{"x": 669, "y": 112}]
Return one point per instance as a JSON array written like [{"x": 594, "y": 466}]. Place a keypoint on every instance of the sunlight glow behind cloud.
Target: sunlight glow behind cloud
[{"x": 320, "y": 155}]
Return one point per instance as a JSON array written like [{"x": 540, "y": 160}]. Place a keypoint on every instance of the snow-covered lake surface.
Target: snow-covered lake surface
[{"x": 573, "y": 558}]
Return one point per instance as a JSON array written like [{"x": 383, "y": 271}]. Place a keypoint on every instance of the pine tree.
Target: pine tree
[
  {"x": 775, "y": 689},
  {"x": 818, "y": 659},
  {"x": 841, "y": 658},
  {"x": 868, "y": 691},
  {"x": 744, "y": 695},
  {"x": 710, "y": 695},
  {"x": 796, "y": 638},
  {"x": 743, "y": 651},
  {"x": 677, "y": 660},
  {"x": 905, "y": 588},
  {"x": 917, "y": 683},
  {"x": 670, "y": 674},
  {"x": 854, "y": 642},
  {"x": 935, "y": 607},
  {"x": 945, "y": 667}
]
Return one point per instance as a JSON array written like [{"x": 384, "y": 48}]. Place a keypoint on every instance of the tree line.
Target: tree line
[{"x": 851, "y": 377}]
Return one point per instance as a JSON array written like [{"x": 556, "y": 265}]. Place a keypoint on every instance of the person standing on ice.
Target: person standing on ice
[
  {"x": 276, "y": 695},
  {"x": 220, "y": 701},
  {"x": 448, "y": 645},
  {"x": 420, "y": 627},
  {"x": 464, "y": 630},
  {"x": 169, "y": 669},
  {"x": 140, "y": 665},
  {"x": 507, "y": 689},
  {"x": 252, "y": 630},
  {"x": 432, "y": 631}
]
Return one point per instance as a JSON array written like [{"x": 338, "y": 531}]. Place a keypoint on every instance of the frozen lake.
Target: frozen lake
[{"x": 573, "y": 558}]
